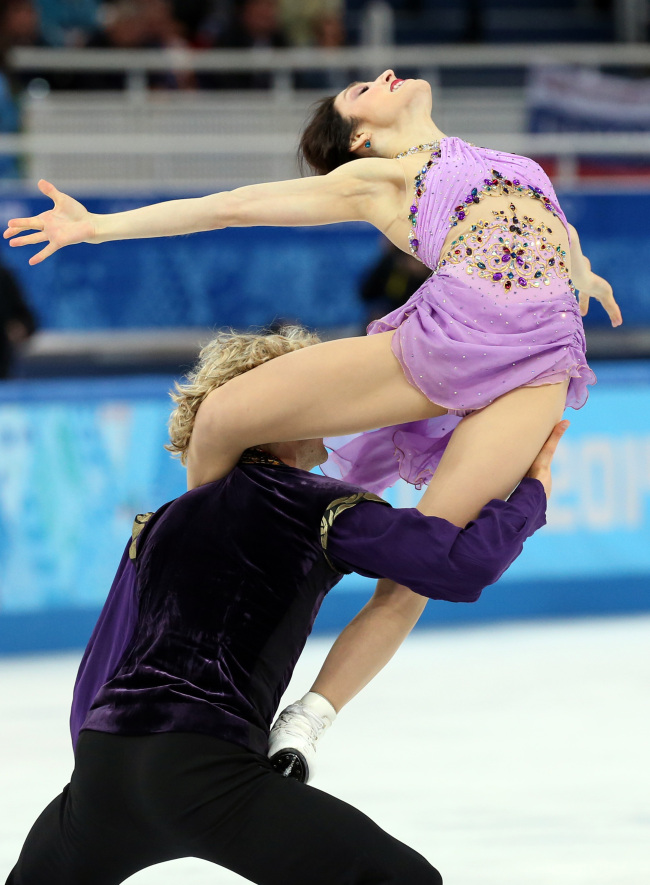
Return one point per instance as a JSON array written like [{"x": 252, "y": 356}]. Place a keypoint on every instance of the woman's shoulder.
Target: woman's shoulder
[{"x": 372, "y": 169}]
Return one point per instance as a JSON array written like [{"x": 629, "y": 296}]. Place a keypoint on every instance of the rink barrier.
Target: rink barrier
[
  {"x": 81, "y": 458},
  {"x": 69, "y": 628}
]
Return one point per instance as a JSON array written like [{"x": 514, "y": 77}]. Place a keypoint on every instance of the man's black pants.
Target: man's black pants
[{"x": 137, "y": 801}]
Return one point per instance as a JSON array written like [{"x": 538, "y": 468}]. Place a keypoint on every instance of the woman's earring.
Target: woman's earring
[{"x": 367, "y": 144}]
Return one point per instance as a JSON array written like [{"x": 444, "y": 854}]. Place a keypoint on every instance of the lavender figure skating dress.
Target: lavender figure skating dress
[{"x": 498, "y": 312}]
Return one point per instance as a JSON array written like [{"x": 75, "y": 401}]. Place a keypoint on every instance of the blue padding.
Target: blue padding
[
  {"x": 510, "y": 601},
  {"x": 90, "y": 390},
  {"x": 54, "y": 630},
  {"x": 81, "y": 457},
  {"x": 69, "y": 628}
]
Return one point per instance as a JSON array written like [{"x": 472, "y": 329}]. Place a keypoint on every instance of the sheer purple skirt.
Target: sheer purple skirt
[{"x": 464, "y": 340}]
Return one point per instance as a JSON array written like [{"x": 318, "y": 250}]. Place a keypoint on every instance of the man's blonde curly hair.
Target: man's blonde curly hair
[{"x": 229, "y": 354}]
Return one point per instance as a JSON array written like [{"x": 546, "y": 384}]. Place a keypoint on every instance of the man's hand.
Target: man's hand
[
  {"x": 541, "y": 467},
  {"x": 68, "y": 222}
]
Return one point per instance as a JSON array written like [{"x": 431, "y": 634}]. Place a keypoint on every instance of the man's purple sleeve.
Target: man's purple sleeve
[{"x": 430, "y": 555}]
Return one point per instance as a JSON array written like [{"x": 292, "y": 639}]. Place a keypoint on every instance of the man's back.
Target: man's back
[{"x": 230, "y": 577}]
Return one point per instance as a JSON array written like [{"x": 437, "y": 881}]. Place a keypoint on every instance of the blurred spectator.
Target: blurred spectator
[
  {"x": 474, "y": 22},
  {"x": 391, "y": 282},
  {"x": 255, "y": 24},
  {"x": 19, "y": 26},
  {"x": 17, "y": 322},
  {"x": 9, "y": 122},
  {"x": 190, "y": 14},
  {"x": 67, "y": 22},
  {"x": 327, "y": 32},
  {"x": 302, "y": 20},
  {"x": 214, "y": 24},
  {"x": 138, "y": 24}
]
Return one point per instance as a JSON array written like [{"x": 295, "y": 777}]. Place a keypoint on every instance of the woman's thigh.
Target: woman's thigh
[
  {"x": 330, "y": 389},
  {"x": 491, "y": 450}
]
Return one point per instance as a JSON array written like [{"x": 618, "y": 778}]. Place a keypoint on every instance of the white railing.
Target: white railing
[
  {"x": 211, "y": 139},
  {"x": 287, "y": 61},
  {"x": 224, "y": 161},
  {"x": 366, "y": 61}
]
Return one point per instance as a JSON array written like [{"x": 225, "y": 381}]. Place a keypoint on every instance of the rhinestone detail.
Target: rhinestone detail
[
  {"x": 418, "y": 149},
  {"x": 512, "y": 252},
  {"x": 499, "y": 186},
  {"x": 419, "y": 186}
]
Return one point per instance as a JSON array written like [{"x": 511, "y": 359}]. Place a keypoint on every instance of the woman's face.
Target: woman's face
[{"x": 382, "y": 101}]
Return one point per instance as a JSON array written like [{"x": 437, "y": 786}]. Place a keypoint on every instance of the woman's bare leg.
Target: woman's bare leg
[
  {"x": 330, "y": 389},
  {"x": 489, "y": 452}
]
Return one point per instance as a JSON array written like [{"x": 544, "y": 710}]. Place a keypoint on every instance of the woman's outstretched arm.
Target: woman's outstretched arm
[{"x": 365, "y": 190}]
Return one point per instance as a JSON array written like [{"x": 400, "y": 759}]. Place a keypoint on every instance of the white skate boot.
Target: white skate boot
[{"x": 292, "y": 742}]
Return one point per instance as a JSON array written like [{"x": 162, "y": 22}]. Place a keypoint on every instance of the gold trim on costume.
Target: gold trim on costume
[
  {"x": 257, "y": 456},
  {"x": 335, "y": 508},
  {"x": 138, "y": 524}
]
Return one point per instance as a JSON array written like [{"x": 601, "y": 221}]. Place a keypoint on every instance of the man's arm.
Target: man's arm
[
  {"x": 431, "y": 556},
  {"x": 370, "y": 640}
]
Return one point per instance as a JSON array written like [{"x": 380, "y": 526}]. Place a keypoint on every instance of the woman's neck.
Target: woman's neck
[{"x": 397, "y": 142}]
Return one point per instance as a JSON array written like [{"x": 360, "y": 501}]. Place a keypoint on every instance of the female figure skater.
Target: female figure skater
[{"x": 496, "y": 324}]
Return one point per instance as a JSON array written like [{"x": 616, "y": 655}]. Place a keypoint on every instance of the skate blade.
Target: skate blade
[{"x": 291, "y": 763}]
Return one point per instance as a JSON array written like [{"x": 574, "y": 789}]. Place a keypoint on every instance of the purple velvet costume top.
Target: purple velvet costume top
[
  {"x": 217, "y": 593},
  {"x": 497, "y": 313}
]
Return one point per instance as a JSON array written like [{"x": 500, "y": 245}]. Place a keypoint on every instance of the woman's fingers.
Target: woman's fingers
[
  {"x": 601, "y": 290},
  {"x": 18, "y": 225},
  {"x": 612, "y": 308},
  {"x": 30, "y": 239},
  {"x": 50, "y": 249},
  {"x": 47, "y": 188}
]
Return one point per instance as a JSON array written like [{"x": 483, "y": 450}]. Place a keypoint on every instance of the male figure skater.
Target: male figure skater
[{"x": 209, "y": 611}]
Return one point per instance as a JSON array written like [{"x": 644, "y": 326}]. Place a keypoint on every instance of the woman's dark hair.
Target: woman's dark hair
[{"x": 325, "y": 141}]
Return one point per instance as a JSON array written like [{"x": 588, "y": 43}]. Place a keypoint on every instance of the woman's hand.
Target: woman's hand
[
  {"x": 590, "y": 285},
  {"x": 541, "y": 466},
  {"x": 67, "y": 223}
]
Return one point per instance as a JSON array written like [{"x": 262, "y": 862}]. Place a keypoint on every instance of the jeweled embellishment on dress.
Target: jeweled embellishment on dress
[
  {"x": 499, "y": 186},
  {"x": 511, "y": 252},
  {"x": 420, "y": 186}
]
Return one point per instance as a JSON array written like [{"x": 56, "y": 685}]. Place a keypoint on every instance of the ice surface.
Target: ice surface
[{"x": 507, "y": 755}]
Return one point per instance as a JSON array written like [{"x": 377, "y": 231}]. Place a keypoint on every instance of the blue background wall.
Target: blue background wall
[
  {"x": 81, "y": 458},
  {"x": 245, "y": 277}
]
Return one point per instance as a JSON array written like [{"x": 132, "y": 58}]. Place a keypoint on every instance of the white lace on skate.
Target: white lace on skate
[{"x": 297, "y": 728}]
